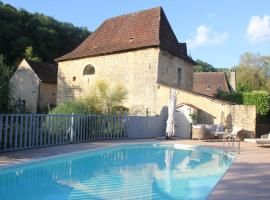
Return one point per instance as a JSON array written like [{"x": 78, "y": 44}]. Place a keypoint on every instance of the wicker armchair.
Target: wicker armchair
[{"x": 201, "y": 133}]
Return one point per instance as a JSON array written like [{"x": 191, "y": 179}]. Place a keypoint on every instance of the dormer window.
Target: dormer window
[{"x": 88, "y": 70}]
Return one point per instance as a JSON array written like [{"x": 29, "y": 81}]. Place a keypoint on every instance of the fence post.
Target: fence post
[{"x": 72, "y": 128}]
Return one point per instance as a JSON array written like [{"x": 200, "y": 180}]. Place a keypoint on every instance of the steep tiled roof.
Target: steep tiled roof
[
  {"x": 45, "y": 71},
  {"x": 148, "y": 28},
  {"x": 208, "y": 83}
]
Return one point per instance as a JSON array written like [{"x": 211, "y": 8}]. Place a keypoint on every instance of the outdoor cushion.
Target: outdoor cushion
[
  {"x": 220, "y": 128},
  {"x": 211, "y": 127}
]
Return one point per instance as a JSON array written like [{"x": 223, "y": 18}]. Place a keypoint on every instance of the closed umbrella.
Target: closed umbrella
[{"x": 170, "y": 128}]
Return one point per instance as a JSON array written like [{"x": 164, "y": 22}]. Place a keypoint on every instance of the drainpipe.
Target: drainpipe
[{"x": 39, "y": 84}]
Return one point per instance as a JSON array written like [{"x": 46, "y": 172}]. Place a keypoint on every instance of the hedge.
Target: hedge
[
  {"x": 261, "y": 99},
  {"x": 235, "y": 97}
]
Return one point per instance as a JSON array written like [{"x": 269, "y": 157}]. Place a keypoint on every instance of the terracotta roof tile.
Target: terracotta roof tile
[
  {"x": 208, "y": 83},
  {"x": 45, "y": 71},
  {"x": 148, "y": 28}
]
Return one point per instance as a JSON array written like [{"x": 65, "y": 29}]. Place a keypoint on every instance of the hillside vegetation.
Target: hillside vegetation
[
  {"x": 34, "y": 36},
  {"x": 48, "y": 37}
]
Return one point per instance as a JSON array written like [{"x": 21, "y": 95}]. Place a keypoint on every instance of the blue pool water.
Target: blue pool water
[{"x": 148, "y": 171}]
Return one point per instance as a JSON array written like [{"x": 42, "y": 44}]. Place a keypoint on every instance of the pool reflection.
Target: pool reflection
[{"x": 137, "y": 172}]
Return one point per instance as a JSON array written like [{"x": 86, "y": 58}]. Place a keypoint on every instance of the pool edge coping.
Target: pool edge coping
[{"x": 34, "y": 160}]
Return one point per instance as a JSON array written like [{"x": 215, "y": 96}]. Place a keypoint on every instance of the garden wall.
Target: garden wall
[{"x": 214, "y": 111}]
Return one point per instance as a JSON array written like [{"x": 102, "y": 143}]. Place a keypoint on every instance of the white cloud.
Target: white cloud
[
  {"x": 205, "y": 35},
  {"x": 258, "y": 28}
]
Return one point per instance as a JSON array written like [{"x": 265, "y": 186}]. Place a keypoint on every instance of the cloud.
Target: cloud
[
  {"x": 205, "y": 35},
  {"x": 258, "y": 28}
]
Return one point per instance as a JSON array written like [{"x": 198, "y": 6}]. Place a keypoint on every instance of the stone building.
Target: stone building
[
  {"x": 209, "y": 83},
  {"x": 138, "y": 50},
  {"x": 34, "y": 84}
]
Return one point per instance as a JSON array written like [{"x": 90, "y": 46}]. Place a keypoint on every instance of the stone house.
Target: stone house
[
  {"x": 209, "y": 83},
  {"x": 138, "y": 50},
  {"x": 34, "y": 84}
]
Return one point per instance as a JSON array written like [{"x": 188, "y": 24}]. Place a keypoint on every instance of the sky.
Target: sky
[{"x": 217, "y": 32}]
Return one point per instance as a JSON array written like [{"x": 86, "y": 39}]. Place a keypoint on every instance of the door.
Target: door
[{"x": 182, "y": 124}]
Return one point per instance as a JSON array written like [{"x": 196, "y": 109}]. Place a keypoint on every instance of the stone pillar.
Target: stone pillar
[{"x": 233, "y": 79}]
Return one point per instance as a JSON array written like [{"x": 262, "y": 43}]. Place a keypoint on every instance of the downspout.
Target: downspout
[{"x": 40, "y": 82}]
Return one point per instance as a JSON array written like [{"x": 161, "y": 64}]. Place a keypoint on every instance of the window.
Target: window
[
  {"x": 208, "y": 86},
  {"x": 88, "y": 70},
  {"x": 74, "y": 78},
  {"x": 179, "y": 77}
]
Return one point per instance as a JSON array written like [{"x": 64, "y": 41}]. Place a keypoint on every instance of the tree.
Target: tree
[
  {"x": 30, "y": 55},
  {"x": 253, "y": 72},
  {"x": 5, "y": 73},
  {"x": 204, "y": 67}
]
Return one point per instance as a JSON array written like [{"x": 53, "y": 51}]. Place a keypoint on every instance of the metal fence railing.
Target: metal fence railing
[{"x": 23, "y": 131}]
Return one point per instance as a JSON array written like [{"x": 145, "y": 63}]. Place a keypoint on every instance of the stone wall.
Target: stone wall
[
  {"x": 137, "y": 70},
  {"x": 213, "y": 111},
  {"x": 25, "y": 85},
  {"x": 168, "y": 66},
  {"x": 47, "y": 95}
]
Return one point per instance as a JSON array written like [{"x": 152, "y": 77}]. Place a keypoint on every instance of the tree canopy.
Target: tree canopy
[
  {"x": 47, "y": 37},
  {"x": 203, "y": 66},
  {"x": 5, "y": 72},
  {"x": 33, "y": 36},
  {"x": 253, "y": 72}
]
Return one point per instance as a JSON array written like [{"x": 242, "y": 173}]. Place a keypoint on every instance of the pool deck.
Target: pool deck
[{"x": 247, "y": 178}]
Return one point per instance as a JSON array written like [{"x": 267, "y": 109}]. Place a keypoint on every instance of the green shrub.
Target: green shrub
[
  {"x": 101, "y": 99},
  {"x": 261, "y": 99},
  {"x": 119, "y": 110},
  {"x": 69, "y": 107},
  {"x": 235, "y": 97}
]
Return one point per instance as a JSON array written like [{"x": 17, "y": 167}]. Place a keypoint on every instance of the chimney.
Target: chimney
[{"x": 233, "y": 79}]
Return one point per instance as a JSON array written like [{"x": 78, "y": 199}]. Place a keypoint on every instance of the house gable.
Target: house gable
[{"x": 25, "y": 85}]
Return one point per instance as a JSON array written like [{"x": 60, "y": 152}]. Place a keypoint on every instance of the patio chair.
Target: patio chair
[
  {"x": 264, "y": 140},
  {"x": 231, "y": 136},
  {"x": 201, "y": 133},
  {"x": 232, "y": 133}
]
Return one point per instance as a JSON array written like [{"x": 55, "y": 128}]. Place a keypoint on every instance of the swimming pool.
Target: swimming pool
[{"x": 135, "y": 171}]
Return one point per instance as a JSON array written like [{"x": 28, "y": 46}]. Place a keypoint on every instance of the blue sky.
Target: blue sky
[{"x": 216, "y": 31}]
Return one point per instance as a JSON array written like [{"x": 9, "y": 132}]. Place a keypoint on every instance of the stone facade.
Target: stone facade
[
  {"x": 140, "y": 71},
  {"x": 47, "y": 95},
  {"x": 26, "y": 85},
  {"x": 168, "y": 68}
]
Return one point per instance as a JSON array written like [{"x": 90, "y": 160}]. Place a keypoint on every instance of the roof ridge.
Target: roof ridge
[
  {"x": 134, "y": 13},
  {"x": 133, "y": 31},
  {"x": 208, "y": 72}
]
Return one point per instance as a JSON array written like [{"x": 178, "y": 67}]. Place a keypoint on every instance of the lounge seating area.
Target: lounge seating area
[{"x": 206, "y": 131}]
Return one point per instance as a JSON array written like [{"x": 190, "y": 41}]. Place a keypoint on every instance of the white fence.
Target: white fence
[{"x": 23, "y": 131}]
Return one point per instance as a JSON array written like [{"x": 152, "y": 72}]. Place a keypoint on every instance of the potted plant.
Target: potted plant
[{"x": 194, "y": 117}]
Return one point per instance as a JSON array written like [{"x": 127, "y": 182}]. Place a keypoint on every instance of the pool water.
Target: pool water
[{"x": 141, "y": 171}]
